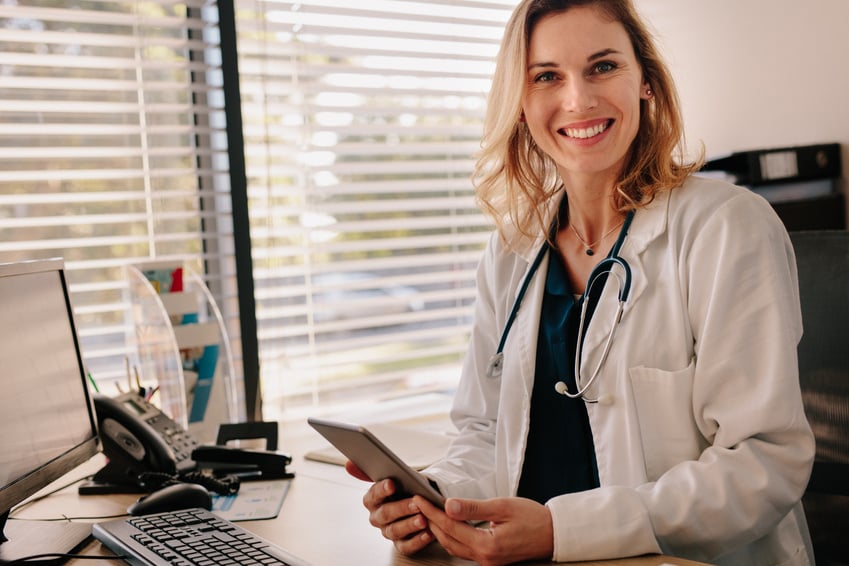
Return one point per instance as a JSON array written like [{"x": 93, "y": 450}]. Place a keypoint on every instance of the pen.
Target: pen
[
  {"x": 138, "y": 380},
  {"x": 129, "y": 376},
  {"x": 93, "y": 382}
]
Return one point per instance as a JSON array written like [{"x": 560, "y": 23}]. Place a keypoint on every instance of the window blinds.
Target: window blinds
[
  {"x": 361, "y": 121},
  {"x": 111, "y": 153}
]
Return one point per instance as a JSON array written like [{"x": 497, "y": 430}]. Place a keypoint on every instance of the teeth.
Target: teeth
[{"x": 584, "y": 133}]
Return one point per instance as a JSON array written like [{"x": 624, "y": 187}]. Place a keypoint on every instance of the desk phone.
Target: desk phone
[{"x": 137, "y": 438}]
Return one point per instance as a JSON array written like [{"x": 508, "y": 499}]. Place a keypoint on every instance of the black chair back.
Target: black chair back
[{"x": 822, "y": 258}]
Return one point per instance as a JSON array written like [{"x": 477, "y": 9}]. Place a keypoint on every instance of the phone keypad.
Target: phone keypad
[{"x": 181, "y": 442}]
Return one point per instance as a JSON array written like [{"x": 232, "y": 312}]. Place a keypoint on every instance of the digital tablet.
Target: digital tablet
[{"x": 374, "y": 458}]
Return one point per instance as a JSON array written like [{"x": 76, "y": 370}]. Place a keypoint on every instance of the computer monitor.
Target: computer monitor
[{"x": 47, "y": 420}]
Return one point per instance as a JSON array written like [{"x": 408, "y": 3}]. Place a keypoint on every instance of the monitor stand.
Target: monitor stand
[{"x": 22, "y": 538}]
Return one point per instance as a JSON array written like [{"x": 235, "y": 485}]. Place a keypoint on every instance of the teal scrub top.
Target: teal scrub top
[{"x": 559, "y": 456}]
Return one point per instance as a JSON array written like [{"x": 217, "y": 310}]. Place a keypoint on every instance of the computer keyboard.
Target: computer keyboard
[{"x": 188, "y": 537}]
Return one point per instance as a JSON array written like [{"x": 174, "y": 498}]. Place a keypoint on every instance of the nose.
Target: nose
[{"x": 578, "y": 95}]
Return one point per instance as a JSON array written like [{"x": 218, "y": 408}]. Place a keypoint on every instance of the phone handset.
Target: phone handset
[{"x": 137, "y": 438}]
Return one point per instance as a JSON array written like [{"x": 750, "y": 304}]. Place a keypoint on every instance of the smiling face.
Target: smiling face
[{"x": 582, "y": 100}]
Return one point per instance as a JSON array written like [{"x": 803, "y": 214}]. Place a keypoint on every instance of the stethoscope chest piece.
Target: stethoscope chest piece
[{"x": 496, "y": 362}]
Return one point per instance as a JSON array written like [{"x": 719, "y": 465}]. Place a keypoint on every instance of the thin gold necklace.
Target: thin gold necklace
[{"x": 589, "y": 247}]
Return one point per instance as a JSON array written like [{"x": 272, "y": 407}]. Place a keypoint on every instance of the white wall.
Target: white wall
[{"x": 758, "y": 73}]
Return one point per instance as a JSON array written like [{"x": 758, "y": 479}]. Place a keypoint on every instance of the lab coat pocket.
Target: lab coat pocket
[{"x": 664, "y": 403}]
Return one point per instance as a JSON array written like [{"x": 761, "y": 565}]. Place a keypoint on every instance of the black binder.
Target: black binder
[{"x": 780, "y": 165}]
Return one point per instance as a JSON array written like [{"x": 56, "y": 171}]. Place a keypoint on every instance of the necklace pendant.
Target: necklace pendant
[{"x": 590, "y": 252}]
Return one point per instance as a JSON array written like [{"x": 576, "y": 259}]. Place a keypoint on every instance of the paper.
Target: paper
[{"x": 255, "y": 500}]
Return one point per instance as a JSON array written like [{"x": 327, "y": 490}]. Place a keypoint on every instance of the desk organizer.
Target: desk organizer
[{"x": 185, "y": 362}]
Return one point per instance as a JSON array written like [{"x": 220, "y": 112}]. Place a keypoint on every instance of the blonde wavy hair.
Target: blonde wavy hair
[{"x": 514, "y": 179}]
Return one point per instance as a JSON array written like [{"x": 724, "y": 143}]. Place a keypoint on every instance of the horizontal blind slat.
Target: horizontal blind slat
[
  {"x": 406, "y": 10},
  {"x": 102, "y": 17}
]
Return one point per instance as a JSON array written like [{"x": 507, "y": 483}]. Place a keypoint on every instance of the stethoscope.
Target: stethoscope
[{"x": 606, "y": 265}]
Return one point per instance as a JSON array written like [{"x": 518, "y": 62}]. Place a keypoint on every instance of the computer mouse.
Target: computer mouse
[{"x": 172, "y": 498}]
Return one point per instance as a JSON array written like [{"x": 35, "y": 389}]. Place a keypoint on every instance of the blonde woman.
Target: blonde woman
[{"x": 631, "y": 383}]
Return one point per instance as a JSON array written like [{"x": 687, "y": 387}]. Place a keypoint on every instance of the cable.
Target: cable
[
  {"x": 69, "y": 519},
  {"x": 28, "y": 502},
  {"x": 225, "y": 485},
  {"x": 56, "y": 556}
]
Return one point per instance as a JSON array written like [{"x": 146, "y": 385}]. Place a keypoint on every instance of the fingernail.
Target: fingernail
[
  {"x": 454, "y": 506},
  {"x": 386, "y": 486},
  {"x": 419, "y": 522},
  {"x": 413, "y": 507},
  {"x": 425, "y": 536}
]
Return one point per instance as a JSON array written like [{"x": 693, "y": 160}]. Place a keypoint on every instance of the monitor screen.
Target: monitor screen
[{"x": 47, "y": 422}]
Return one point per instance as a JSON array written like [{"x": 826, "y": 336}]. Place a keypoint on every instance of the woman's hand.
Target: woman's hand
[
  {"x": 513, "y": 529},
  {"x": 398, "y": 519}
]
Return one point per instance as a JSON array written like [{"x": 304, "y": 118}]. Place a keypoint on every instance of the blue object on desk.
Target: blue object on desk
[{"x": 205, "y": 367}]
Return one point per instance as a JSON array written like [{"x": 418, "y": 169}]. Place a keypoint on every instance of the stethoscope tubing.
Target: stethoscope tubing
[
  {"x": 495, "y": 363},
  {"x": 624, "y": 291}
]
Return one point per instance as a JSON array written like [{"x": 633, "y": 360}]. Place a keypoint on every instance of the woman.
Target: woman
[{"x": 685, "y": 433}]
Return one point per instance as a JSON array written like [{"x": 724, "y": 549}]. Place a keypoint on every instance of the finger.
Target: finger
[
  {"x": 451, "y": 533},
  {"x": 378, "y": 493},
  {"x": 414, "y": 543},
  {"x": 428, "y": 509},
  {"x": 474, "y": 510},
  {"x": 355, "y": 471},
  {"x": 452, "y": 545},
  {"x": 456, "y": 510},
  {"x": 391, "y": 511},
  {"x": 405, "y": 527},
  {"x": 469, "y": 510}
]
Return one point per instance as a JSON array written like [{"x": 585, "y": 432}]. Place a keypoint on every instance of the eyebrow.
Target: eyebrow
[{"x": 594, "y": 57}]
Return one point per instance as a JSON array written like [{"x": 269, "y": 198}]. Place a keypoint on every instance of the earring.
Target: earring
[{"x": 649, "y": 92}]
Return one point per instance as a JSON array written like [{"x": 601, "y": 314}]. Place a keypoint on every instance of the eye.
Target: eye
[
  {"x": 605, "y": 67},
  {"x": 544, "y": 77}
]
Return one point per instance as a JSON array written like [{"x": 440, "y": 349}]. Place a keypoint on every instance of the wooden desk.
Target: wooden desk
[{"x": 322, "y": 518}]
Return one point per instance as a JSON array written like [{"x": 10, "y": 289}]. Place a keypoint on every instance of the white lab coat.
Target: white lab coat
[{"x": 703, "y": 447}]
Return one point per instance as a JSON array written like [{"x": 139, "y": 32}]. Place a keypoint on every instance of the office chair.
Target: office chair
[{"x": 822, "y": 258}]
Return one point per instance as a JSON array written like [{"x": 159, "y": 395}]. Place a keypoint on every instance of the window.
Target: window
[
  {"x": 111, "y": 153},
  {"x": 361, "y": 120},
  {"x": 360, "y": 125}
]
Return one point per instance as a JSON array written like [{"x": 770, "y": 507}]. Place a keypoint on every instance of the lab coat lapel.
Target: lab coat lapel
[
  {"x": 527, "y": 328},
  {"x": 521, "y": 360}
]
